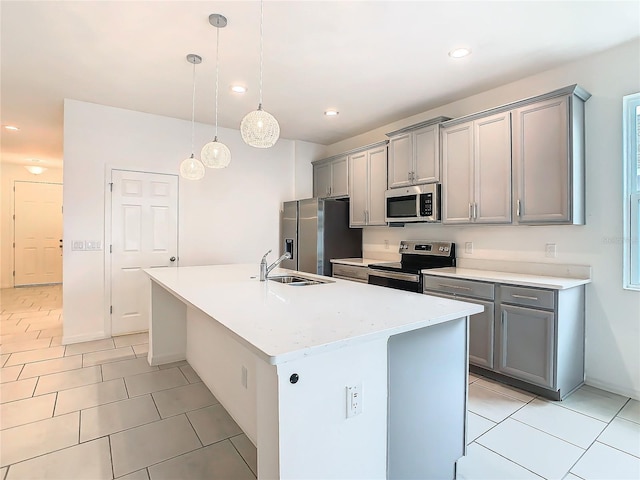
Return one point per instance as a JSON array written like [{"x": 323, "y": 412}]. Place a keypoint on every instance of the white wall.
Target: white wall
[
  {"x": 231, "y": 216},
  {"x": 613, "y": 314},
  {"x": 304, "y": 169},
  {"x": 10, "y": 173}
]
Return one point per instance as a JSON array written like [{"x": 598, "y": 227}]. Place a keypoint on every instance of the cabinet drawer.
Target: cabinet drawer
[
  {"x": 455, "y": 286},
  {"x": 351, "y": 272},
  {"x": 532, "y": 297}
]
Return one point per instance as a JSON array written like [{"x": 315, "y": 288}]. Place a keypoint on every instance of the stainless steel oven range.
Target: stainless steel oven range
[{"x": 416, "y": 256}]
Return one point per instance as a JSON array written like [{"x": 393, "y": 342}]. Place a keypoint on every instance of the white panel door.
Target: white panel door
[
  {"x": 37, "y": 233},
  {"x": 144, "y": 234}
]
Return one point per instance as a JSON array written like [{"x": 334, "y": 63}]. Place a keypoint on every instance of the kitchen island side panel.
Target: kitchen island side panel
[
  {"x": 427, "y": 434},
  {"x": 167, "y": 327},
  {"x": 226, "y": 367},
  {"x": 317, "y": 440}
]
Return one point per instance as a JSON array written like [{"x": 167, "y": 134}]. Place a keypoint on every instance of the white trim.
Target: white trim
[
  {"x": 631, "y": 242},
  {"x": 614, "y": 388},
  {"x": 163, "y": 359},
  {"x": 84, "y": 338}
]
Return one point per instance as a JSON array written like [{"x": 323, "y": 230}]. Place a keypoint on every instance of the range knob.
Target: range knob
[{"x": 441, "y": 249}]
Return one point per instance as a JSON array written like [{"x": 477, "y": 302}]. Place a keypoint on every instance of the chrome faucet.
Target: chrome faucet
[{"x": 264, "y": 269}]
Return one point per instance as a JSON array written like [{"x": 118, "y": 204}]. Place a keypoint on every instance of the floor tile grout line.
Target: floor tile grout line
[
  {"x": 511, "y": 460},
  {"x": 552, "y": 435},
  {"x": 242, "y": 456},
  {"x": 615, "y": 448},
  {"x": 113, "y": 472},
  {"x": 192, "y": 427}
]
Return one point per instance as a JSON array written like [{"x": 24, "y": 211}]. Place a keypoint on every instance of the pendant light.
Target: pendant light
[
  {"x": 191, "y": 168},
  {"x": 259, "y": 128},
  {"x": 216, "y": 154}
]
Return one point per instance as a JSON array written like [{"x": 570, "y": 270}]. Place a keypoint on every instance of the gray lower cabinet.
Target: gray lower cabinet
[
  {"x": 481, "y": 325},
  {"x": 532, "y": 338},
  {"x": 527, "y": 343},
  {"x": 351, "y": 272}
]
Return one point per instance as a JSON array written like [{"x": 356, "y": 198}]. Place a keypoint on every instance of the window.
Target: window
[{"x": 631, "y": 153}]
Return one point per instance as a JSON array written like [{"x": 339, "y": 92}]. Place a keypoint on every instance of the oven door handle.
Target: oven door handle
[{"x": 409, "y": 277}]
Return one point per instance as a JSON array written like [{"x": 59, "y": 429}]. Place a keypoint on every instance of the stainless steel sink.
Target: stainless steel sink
[{"x": 297, "y": 281}]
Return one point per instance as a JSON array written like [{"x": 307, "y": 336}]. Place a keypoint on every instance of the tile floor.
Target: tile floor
[{"x": 97, "y": 410}]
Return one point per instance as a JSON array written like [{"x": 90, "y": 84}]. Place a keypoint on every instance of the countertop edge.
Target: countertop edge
[{"x": 520, "y": 279}]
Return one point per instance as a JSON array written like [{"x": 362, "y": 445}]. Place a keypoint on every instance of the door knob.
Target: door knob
[{"x": 172, "y": 259}]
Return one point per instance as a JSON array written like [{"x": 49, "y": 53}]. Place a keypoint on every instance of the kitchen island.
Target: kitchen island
[{"x": 338, "y": 380}]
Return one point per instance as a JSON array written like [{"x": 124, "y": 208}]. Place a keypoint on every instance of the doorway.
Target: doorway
[
  {"x": 37, "y": 218},
  {"x": 144, "y": 234}
]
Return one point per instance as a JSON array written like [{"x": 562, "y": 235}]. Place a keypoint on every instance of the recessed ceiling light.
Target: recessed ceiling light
[
  {"x": 238, "y": 88},
  {"x": 459, "y": 52},
  {"x": 13, "y": 128},
  {"x": 34, "y": 169},
  {"x": 331, "y": 113}
]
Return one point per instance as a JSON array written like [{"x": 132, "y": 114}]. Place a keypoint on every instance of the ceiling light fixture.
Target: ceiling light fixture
[
  {"x": 238, "y": 89},
  {"x": 216, "y": 154},
  {"x": 11, "y": 128},
  {"x": 259, "y": 128},
  {"x": 459, "y": 52},
  {"x": 331, "y": 113},
  {"x": 192, "y": 168},
  {"x": 35, "y": 169}
]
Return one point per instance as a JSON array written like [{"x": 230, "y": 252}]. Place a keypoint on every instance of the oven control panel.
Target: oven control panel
[{"x": 446, "y": 249}]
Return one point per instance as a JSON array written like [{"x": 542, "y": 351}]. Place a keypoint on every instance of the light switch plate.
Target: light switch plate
[
  {"x": 77, "y": 245},
  {"x": 468, "y": 247},
  {"x": 550, "y": 250}
]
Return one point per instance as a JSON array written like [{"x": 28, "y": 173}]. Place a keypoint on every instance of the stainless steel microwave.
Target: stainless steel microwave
[{"x": 420, "y": 203}]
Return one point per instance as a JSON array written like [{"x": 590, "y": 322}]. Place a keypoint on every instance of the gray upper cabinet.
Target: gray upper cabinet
[
  {"x": 548, "y": 155},
  {"x": 331, "y": 177},
  {"x": 476, "y": 165},
  {"x": 414, "y": 154},
  {"x": 519, "y": 163},
  {"x": 368, "y": 181}
]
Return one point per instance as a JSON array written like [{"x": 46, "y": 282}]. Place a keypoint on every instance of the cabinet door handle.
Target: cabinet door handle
[
  {"x": 470, "y": 211},
  {"x": 518, "y": 208},
  {"x": 457, "y": 287},
  {"x": 329, "y": 190},
  {"x": 409, "y": 176},
  {"x": 475, "y": 211},
  {"x": 526, "y": 297}
]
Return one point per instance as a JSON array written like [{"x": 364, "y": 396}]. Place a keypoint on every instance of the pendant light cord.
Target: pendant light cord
[
  {"x": 193, "y": 110},
  {"x": 217, "y": 73},
  {"x": 261, "y": 49}
]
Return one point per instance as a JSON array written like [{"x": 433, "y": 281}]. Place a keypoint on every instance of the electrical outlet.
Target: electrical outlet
[
  {"x": 244, "y": 376},
  {"x": 550, "y": 250},
  {"x": 468, "y": 247},
  {"x": 354, "y": 400},
  {"x": 386, "y": 244}
]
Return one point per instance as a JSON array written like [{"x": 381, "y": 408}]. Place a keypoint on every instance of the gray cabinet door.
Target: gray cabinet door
[
  {"x": 322, "y": 180},
  {"x": 340, "y": 177},
  {"x": 542, "y": 158},
  {"x": 481, "y": 335},
  {"x": 492, "y": 166},
  {"x": 526, "y": 345},
  {"x": 457, "y": 173},
  {"x": 358, "y": 198},
  {"x": 426, "y": 148},
  {"x": 400, "y": 160},
  {"x": 377, "y": 185}
]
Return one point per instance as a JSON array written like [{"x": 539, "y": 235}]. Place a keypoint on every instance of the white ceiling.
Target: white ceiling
[{"x": 375, "y": 61}]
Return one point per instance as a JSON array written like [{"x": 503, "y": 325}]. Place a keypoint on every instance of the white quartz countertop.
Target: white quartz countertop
[
  {"x": 281, "y": 322},
  {"x": 358, "y": 262},
  {"x": 527, "y": 280}
]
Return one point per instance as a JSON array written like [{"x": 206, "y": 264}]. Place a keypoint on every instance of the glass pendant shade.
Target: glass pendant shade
[
  {"x": 215, "y": 155},
  {"x": 260, "y": 129},
  {"x": 191, "y": 168}
]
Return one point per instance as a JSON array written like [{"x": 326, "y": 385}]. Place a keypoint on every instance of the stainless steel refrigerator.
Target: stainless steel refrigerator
[{"x": 316, "y": 230}]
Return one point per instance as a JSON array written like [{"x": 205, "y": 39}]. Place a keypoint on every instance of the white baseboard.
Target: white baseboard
[
  {"x": 167, "y": 358},
  {"x": 625, "y": 392},
  {"x": 66, "y": 340}
]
